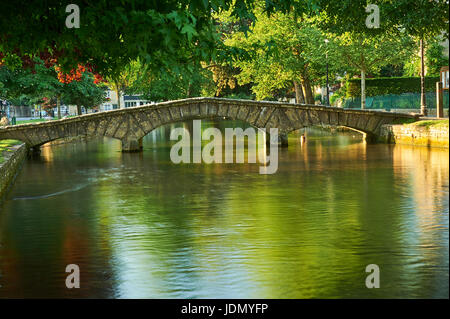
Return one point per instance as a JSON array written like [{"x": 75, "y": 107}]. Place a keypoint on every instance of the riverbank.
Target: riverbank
[
  {"x": 12, "y": 156},
  {"x": 430, "y": 133}
]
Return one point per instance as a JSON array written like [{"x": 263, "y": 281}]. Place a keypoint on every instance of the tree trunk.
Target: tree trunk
[
  {"x": 306, "y": 84},
  {"x": 79, "y": 110},
  {"x": 363, "y": 89},
  {"x": 117, "y": 89},
  {"x": 423, "y": 102},
  {"x": 58, "y": 106},
  {"x": 299, "y": 98},
  {"x": 189, "y": 88}
]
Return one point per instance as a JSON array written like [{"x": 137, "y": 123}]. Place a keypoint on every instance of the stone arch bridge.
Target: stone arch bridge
[{"x": 130, "y": 125}]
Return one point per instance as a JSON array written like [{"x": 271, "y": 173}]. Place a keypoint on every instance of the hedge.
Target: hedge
[{"x": 393, "y": 85}]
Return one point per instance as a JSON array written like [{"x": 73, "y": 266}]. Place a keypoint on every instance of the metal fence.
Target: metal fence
[{"x": 393, "y": 101}]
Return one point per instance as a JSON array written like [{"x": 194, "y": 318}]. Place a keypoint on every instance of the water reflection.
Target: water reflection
[{"x": 141, "y": 226}]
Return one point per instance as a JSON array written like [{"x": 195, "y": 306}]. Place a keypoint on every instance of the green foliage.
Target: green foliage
[
  {"x": 420, "y": 18},
  {"x": 84, "y": 92},
  {"x": 403, "y": 121},
  {"x": 113, "y": 33},
  {"x": 178, "y": 83},
  {"x": 169, "y": 39},
  {"x": 128, "y": 76},
  {"x": 391, "y": 70},
  {"x": 279, "y": 49},
  {"x": 357, "y": 52},
  {"x": 26, "y": 87},
  {"x": 434, "y": 59},
  {"x": 339, "y": 94},
  {"x": 240, "y": 96},
  {"x": 394, "y": 85}
]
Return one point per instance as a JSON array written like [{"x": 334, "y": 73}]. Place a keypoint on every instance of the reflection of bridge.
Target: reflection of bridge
[{"x": 132, "y": 124}]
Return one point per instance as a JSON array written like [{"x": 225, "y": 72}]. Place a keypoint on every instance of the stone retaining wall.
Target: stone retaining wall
[
  {"x": 10, "y": 167},
  {"x": 415, "y": 135}
]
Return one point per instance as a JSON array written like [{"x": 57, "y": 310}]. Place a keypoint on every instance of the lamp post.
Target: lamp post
[
  {"x": 440, "y": 86},
  {"x": 445, "y": 77},
  {"x": 328, "y": 88}
]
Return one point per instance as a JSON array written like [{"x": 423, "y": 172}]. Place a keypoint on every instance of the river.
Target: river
[{"x": 140, "y": 226}]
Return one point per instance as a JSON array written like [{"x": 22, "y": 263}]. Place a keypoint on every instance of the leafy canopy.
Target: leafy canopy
[{"x": 112, "y": 33}]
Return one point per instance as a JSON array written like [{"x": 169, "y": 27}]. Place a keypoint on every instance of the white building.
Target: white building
[
  {"x": 125, "y": 101},
  {"x": 134, "y": 100},
  {"x": 112, "y": 102}
]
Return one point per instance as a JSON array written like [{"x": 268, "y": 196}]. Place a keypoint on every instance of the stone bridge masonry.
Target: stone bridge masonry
[{"x": 130, "y": 125}]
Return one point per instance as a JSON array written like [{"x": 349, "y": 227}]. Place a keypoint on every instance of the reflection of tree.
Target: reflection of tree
[
  {"x": 427, "y": 171},
  {"x": 153, "y": 232},
  {"x": 45, "y": 234},
  {"x": 145, "y": 227}
]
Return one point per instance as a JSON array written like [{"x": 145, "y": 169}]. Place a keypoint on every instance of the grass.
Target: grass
[
  {"x": 31, "y": 121},
  {"x": 5, "y": 147},
  {"x": 432, "y": 123},
  {"x": 403, "y": 121}
]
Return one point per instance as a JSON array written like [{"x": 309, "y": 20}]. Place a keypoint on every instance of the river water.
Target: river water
[{"x": 139, "y": 226}]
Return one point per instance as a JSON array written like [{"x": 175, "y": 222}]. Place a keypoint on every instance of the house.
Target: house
[
  {"x": 126, "y": 101},
  {"x": 134, "y": 100}
]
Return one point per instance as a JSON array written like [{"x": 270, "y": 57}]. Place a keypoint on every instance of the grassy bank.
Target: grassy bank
[
  {"x": 32, "y": 121},
  {"x": 5, "y": 146},
  {"x": 439, "y": 124}
]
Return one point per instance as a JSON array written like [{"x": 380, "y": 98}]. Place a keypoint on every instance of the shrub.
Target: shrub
[
  {"x": 337, "y": 95},
  {"x": 393, "y": 85},
  {"x": 240, "y": 96}
]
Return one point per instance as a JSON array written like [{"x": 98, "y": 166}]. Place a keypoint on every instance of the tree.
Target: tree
[
  {"x": 368, "y": 54},
  {"x": 113, "y": 33},
  {"x": 422, "y": 19},
  {"x": 44, "y": 84},
  {"x": 124, "y": 80},
  {"x": 181, "y": 81},
  {"x": 183, "y": 32},
  {"x": 284, "y": 51},
  {"x": 434, "y": 59},
  {"x": 31, "y": 85},
  {"x": 84, "y": 92}
]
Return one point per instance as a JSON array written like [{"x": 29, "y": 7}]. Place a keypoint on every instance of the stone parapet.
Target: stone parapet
[{"x": 131, "y": 124}]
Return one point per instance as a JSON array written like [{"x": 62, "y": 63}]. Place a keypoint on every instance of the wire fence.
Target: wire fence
[{"x": 393, "y": 101}]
